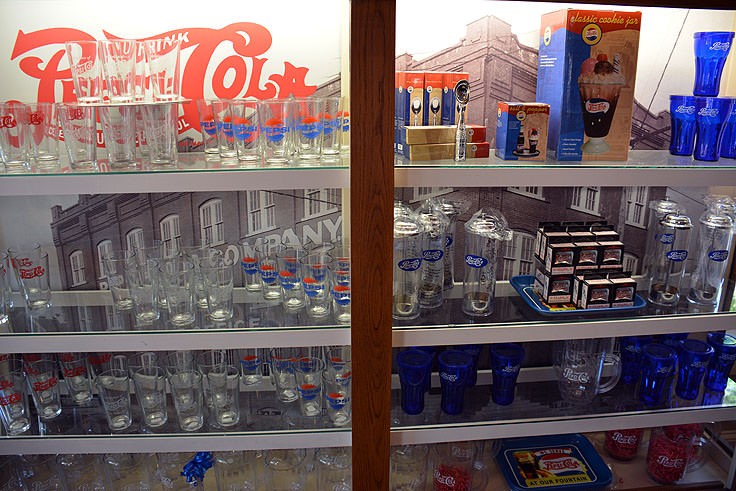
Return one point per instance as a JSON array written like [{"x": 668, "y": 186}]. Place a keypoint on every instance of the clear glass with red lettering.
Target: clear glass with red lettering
[
  {"x": 31, "y": 266},
  {"x": 114, "y": 389},
  {"x": 163, "y": 64},
  {"x": 86, "y": 70},
  {"x": 118, "y": 67},
  {"x": 14, "y": 399},
  {"x": 76, "y": 375},
  {"x": 43, "y": 382},
  {"x": 161, "y": 133},
  {"x": 14, "y": 148},
  {"x": 79, "y": 128},
  {"x": 668, "y": 454},
  {"x": 119, "y": 130},
  {"x": 43, "y": 134}
]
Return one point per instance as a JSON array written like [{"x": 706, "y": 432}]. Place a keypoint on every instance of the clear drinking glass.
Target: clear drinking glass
[
  {"x": 129, "y": 471},
  {"x": 177, "y": 276},
  {"x": 43, "y": 382},
  {"x": 43, "y": 133},
  {"x": 118, "y": 67},
  {"x": 249, "y": 262},
  {"x": 282, "y": 361},
  {"x": 268, "y": 268},
  {"x": 224, "y": 385},
  {"x": 207, "y": 126},
  {"x": 163, "y": 63},
  {"x": 143, "y": 280},
  {"x": 86, "y": 70},
  {"x": 119, "y": 130},
  {"x": 316, "y": 284},
  {"x": 290, "y": 277},
  {"x": 14, "y": 143},
  {"x": 218, "y": 282},
  {"x": 31, "y": 267},
  {"x": 14, "y": 399},
  {"x": 114, "y": 389},
  {"x": 150, "y": 389},
  {"x": 113, "y": 268},
  {"x": 80, "y": 471},
  {"x": 284, "y": 469},
  {"x": 307, "y": 129},
  {"x": 407, "y": 267},
  {"x": 308, "y": 372},
  {"x": 224, "y": 124},
  {"x": 76, "y": 374},
  {"x": 80, "y": 135},
  {"x": 186, "y": 390},
  {"x": 237, "y": 470}
]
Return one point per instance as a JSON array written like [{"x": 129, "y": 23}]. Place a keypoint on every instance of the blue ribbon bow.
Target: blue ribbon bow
[{"x": 194, "y": 470}]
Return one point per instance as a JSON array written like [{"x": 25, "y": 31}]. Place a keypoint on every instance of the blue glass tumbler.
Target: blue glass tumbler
[
  {"x": 693, "y": 359},
  {"x": 431, "y": 351},
  {"x": 728, "y": 139},
  {"x": 474, "y": 351},
  {"x": 710, "y": 115},
  {"x": 682, "y": 124},
  {"x": 720, "y": 366},
  {"x": 414, "y": 372},
  {"x": 506, "y": 361},
  {"x": 454, "y": 367},
  {"x": 711, "y": 51},
  {"x": 657, "y": 370},
  {"x": 631, "y": 347}
]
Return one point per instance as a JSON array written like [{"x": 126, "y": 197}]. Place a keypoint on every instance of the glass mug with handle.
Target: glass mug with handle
[{"x": 580, "y": 369}]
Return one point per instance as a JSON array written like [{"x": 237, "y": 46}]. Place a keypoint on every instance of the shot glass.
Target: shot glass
[
  {"x": 150, "y": 390},
  {"x": 306, "y": 114},
  {"x": 338, "y": 400},
  {"x": 657, "y": 371},
  {"x": 506, "y": 361},
  {"x": 331, "y": 122},
  {"x": 249, "y": 262},
  {"x": 711, "y": 51},
  {"x": 693, "y": 359},
  {"x": 114, "y": 389},
  {"x": 14, "y": 142},
  {"x": 454, "y": 368},
  {"x": 268, "y": 269},
  {"x": 208, "y": 127},
  {"x": 118, "y": 67},
  {"x": 308, "y": 372},
  {"x": 414, "y": 372},
  {"x": 31, "y": 267},
  {"x": 79, "y": 128},
  {"x": 244, "y": 116},
  {"x": 86, "y": 70},
  {"x": 275, "y": 134},
  {"x": 251, "y": 365},
  {"x": 631, "y": 347},
  {"x": 43, "y": 382},
  {"x": 113, "y": 269},
  {"x": 682, "y": 120},
  {"x": 160, "y": 122},
  {"x": 224, "y": 125},
  {"x": 14, "y": 399},
  {"x": 75, "y": 370},
  {"x": 282, "y": 361},
  {"x": 186, "y": 390},
  {"x": 316, "y": 283},
  {"x": 218, "y": 283},
  {"x": 178, "y": 284},
  {"x": 43, "y": 133},
  {"x": 284, "y": 469},
  {"x": 710, "y": 114},
  {"x": 163, "y": 65},
  {"x": 724, "y": 346},
  {"x": 143, "y": 281},
  {"x": 119, "y": 130},
  {"x": 408, "y": 467},
  {"x": 224, "y": 385}
]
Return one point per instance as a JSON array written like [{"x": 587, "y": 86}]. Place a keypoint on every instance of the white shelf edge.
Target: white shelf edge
[
  {"x": 196, "y": 442},
  {"x": 545, "y": 331},
  {"x": 573, "y": 424}
]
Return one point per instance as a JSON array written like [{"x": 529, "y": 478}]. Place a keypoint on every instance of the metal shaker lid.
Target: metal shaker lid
[
  {"x": 406, "y": 226},
  {"x": 675, "y": 220},
  {"x": 664, "y": 206},
  {"x": 435, "y": 222},
  {"x": 401, "y": 209},
  {"x": 714, "y": 219},
  {"x": 450, "y": 207},
  {"x": 488, "y": 223}
]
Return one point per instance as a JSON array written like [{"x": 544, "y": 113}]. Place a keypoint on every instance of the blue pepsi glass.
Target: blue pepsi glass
[
  {"x": 454, "y": 367},
  {"x": 671, "y": 339},
  {"x": 414, "y": 372},
  {"x": 693, "y": 360},
  {"x": 631, "y": 347},
  {"x": 711, "y": 51},
  {"x": 506, "y": 361},
  {"x": 682, "y": 124},
  {"x": 657, "y": 370},
  {"x": 728, "y": 139},
  {"x": 710, "y": 115},
  {"x": 474, "y": 351},
  {"x": 724, "y": 347},
  {"x": 431, "y": 351}
]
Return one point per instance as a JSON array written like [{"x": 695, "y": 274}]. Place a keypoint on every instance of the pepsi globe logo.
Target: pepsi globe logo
[
  {"x": 226, "y": 128},
  {"x": 268, "y": 274},
  {"x": 288, "y": 279},
  {"x": 310, "y": 128},
  {"x": 432, "y": 255},
  {"x": 208, "y": 127},
  {"x": 274, "y": 130},
  {"x": 666, "y": 238},
  {"x": 245, "y": 132},
  {"x": 329, "y": 124},
  {"x": 311, "y": 287},
  {"x": 250, "y": 265},
  {"x": 250, "y": 362},
  {"x": 718, "y": 256},
  {"x": 475, "y": 261},
  {"x": 337, "y": 400},
  {"x": 411, "y": 264},
  {"x": 309, "y": 392},
  {"x": 677, "y": 255},
  {"x": 683, "y": 109}
]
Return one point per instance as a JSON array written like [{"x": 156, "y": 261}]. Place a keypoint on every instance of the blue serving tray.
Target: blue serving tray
[
  {"x": 523, "y": 285},
  {"x": 552, "y": 462}
]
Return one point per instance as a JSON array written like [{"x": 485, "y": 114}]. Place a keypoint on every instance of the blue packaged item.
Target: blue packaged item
[{"x": 552, "y": 462}]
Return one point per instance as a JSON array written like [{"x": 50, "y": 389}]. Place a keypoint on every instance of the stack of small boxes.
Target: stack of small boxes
[
  {"x": 426, "y": 114},
  {"x": 581, "y": 263}
]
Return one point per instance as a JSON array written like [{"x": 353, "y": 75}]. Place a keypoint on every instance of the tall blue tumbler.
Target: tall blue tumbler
[
  {"x": 506, "y": 361},
  {"x": 728, "y": 138},
  {"x": 710, "y": 115},
  {"x": 631, "y": 347},
  {"x": 711, "y": 51},
  {"x": 693, "y": 359},
  {"x": 454, "y": 367},
  {"x": 414, "y": 372},
  {"x": 720, "y": 366},
  {"x": 657, "y": 370},
  {"x": 682, "y": 124},
  {"x": 474, "y": 351}
]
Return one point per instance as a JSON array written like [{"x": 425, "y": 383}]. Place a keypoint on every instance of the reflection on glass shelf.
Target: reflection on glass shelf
[
  {"x": 535, "y": 401},
  {"x": 187, "y": 162},
  {"x": 252, "y": 314},
  {"x": 657, "y": 159}
]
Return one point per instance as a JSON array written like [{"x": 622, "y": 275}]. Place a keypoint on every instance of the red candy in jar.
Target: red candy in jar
[
  {"x": 667, "y": 457},
  {"x": 623, "y": 444}
]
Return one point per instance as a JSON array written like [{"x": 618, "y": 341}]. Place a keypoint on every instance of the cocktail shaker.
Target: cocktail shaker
[{"x": 670, "y": 255}]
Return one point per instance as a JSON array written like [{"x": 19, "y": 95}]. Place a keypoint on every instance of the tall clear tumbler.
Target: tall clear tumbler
[
  {"x": 80, "y": 135},
  {"x": 160, "y": 121},
  {"x": 14, "y": 399},
  {"x": 43, "y": 382},
  {"x": 669, "y": 259},
  {"x": 407, "y": 264},
  {"x": 163, "y": 63},
  {"x": 86, "y": 68},
  {"x": 218, "y": 282},
  {"x": 31, "y": 266},
  {"x": 114, "y": 389}
]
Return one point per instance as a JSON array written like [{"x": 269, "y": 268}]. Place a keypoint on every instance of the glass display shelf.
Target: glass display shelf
[
  {"x": 644, "y": 168},
  {"x": 513, "y": 320},
  {"x": 87, "y": 321},
  {"x": 265, "y": 422},
  {"x": 194, "y": 172},
  {"x": 539, "y": 410}
]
